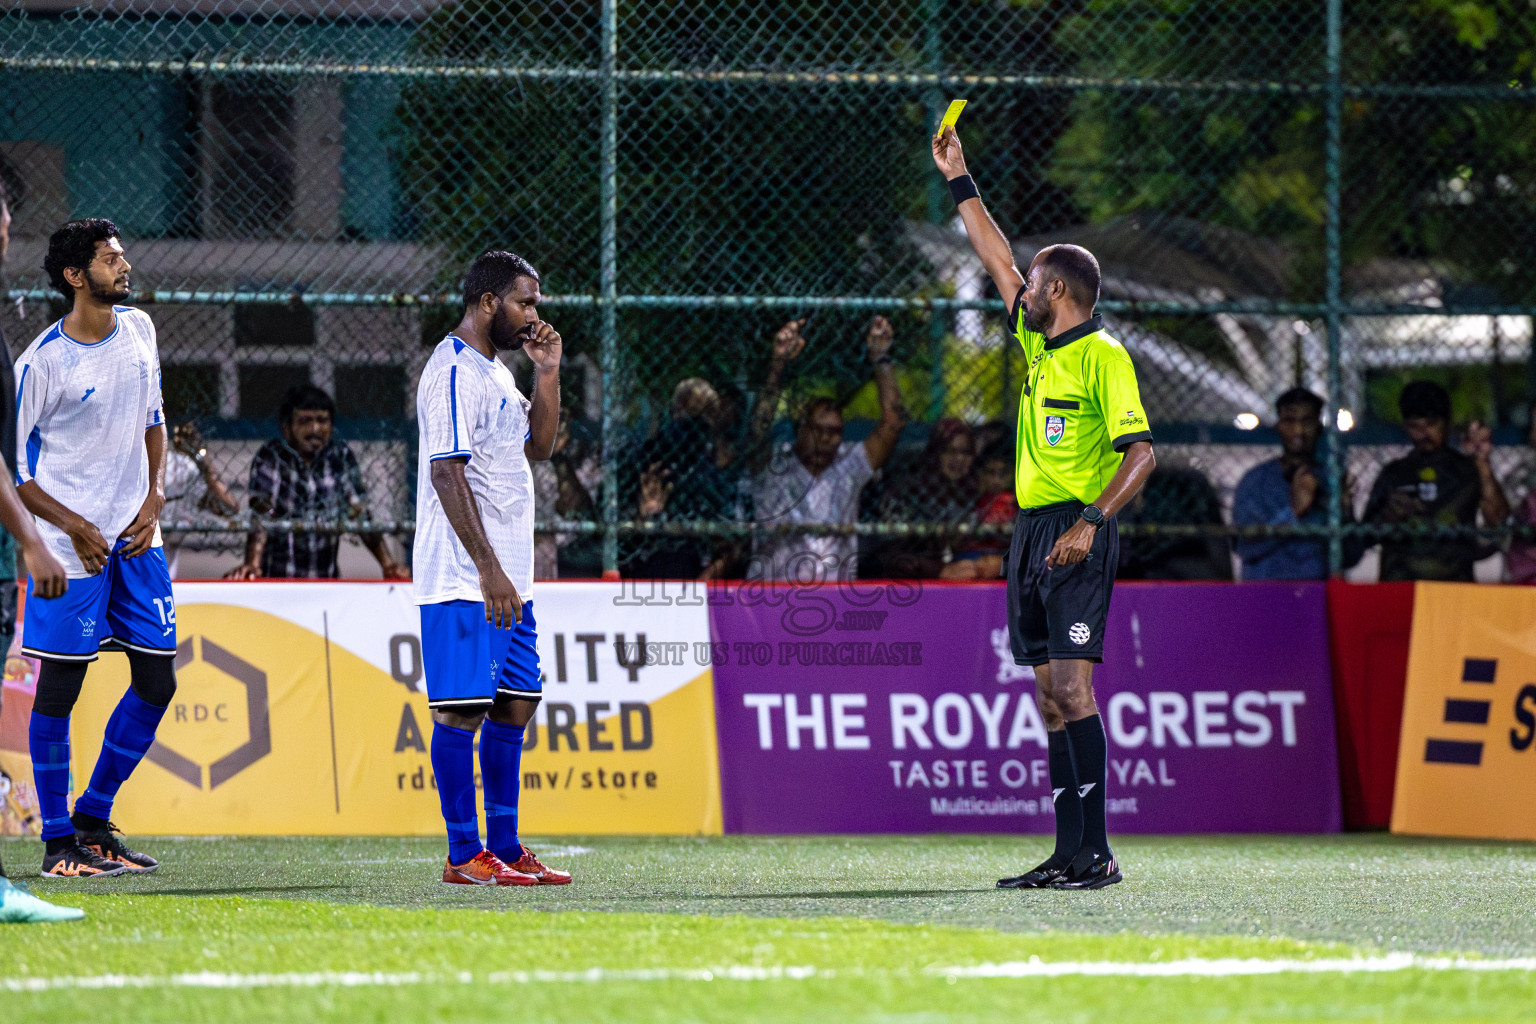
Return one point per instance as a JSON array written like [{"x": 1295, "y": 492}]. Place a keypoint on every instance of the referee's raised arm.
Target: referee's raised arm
[{"x": 988, "y": 241}]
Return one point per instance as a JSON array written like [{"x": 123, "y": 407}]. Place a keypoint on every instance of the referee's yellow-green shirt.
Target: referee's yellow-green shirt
[{"x": 1080, "y": 409}]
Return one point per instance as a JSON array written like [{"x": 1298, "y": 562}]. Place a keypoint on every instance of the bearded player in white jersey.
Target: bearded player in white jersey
[
  {"x": 473, "y": 561},
  {"x": 90, "y": 466}
]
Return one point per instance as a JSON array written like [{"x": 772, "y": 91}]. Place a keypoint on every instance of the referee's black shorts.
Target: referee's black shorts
[{"x": 1060, "y": 612}]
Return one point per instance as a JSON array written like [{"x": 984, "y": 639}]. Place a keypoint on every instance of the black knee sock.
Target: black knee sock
[
  {"x": 58, "y": 687},
  {"x": 1069, "y": 806},
  {"x": 1090, "y": 757}
]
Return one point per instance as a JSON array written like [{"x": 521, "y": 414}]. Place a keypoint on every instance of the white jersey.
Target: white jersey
[
  {"x": 81, "y": 414},
  {"x": 788, "y": 493},
  {"x": 468, "y": 406}
]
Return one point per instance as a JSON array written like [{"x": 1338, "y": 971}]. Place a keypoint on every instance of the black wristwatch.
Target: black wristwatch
[{"x": 1093, "y": 515}]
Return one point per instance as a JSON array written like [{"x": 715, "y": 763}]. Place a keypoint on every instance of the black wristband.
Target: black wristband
[{"x": 963, "y": 188}]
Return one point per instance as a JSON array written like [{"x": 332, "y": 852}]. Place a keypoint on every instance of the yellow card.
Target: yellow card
[{"x": 951, "y": 115}]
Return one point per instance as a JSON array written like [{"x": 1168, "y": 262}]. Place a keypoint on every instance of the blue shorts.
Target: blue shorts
[
  {"x": 469, "y": 663},
  {"x": 128, "y": 605}
]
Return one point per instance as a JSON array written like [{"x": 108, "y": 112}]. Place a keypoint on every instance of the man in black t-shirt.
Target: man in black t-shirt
[{"x": 1435, "y": 485}]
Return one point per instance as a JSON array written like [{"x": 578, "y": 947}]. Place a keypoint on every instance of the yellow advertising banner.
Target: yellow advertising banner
[
  {"x": 1467, "y": 762},
  {"x": 301, "y": 710}
]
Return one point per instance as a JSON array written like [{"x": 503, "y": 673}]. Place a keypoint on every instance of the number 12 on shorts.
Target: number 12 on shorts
[{"x": 166, "y": 606}]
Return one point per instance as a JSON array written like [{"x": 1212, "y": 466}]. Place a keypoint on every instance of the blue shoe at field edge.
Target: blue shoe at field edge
[{"x": 17, "y": 906}]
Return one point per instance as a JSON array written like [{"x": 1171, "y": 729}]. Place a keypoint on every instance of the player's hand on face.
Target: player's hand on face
[
  {"x": 503, "y": 606},
  {"x": 947, "y": 156},
  {"x": 90, "y": 546},
  {"x": 878, "y": 340},
  {"x": 48, "y": 579},
  {"x": 1071, "y": 547},
  {"x": 788, "y": 342},
  {"x": 141, "y": 532},
  {"x": 544, "y": 348}
]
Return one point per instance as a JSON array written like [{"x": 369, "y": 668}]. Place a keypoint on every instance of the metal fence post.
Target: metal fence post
[
  {"x": 938, "y": 192},
  {"x": 609, "y": 284},
  {"x": 1333, "y": 270}
]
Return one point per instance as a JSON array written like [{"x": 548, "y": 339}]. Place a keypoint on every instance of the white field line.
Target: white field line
[
  {"x": 1033, "y": 968},
  {"x": 1228, "y": 968}
]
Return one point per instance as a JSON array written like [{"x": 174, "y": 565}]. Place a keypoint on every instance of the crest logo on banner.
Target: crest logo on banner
[{"x": 1055, "y": 429}]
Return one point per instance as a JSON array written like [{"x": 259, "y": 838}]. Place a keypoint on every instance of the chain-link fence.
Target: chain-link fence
[{"x": 1319, "y": 194}]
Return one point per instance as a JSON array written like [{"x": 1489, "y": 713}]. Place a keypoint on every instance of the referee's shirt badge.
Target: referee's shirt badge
[{"x": 1055, "y": 429}]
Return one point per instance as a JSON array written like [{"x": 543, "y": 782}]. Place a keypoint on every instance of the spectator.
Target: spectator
[
  {"x": 680, "y": 460},
  {"x": 1289, "y": 491},
  {"x": 1435, "y": 485},
  {"x": 1522, "y": 552},
  {"x": 565, "y": 482},
  {"x": 981, "y": 558},
  {"x": 1175, "y": 496},
  {"x": 307, "y": 474},
  {"x": 192, "y": 485},
  {"x": 733, "y": 483},
  {"x": 939, "y": 490},
  {"x": 817, "y": 479}
]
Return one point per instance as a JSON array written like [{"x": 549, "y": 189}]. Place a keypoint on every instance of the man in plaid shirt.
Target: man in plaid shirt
[{"x": 307, "y": 474}]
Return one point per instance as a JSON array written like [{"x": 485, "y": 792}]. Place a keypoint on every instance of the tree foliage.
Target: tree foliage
[{"x": 1448, "y": 180}]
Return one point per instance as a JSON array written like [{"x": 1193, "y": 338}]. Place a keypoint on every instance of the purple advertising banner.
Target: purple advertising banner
[{"x": 896, "y": 707}]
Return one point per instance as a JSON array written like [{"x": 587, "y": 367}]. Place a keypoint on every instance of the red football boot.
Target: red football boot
[
  {"x": 530, "y": 865},
  {"x": 485, "y": 868}
]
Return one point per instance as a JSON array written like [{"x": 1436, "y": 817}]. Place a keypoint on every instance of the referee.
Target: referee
[{"x": 1084, "y": 450}]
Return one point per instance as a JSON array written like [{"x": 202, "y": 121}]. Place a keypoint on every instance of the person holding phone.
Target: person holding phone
[{"x": 1436, "y": 485}]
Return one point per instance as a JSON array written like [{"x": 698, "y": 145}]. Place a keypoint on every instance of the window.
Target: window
[
  {"x": 263, "y": 325},
  {"x": 249, "y": 158},
  {"x": 370, "y": 391},
  {"x": 262, "y": 388}
]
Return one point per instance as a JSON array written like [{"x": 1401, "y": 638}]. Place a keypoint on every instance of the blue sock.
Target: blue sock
[
  {"x": 48, "y": 740},
  {"x": 453, "y": 762},
  {"x": 501, "y": 755},
  {"x": 130, "y": 734}
]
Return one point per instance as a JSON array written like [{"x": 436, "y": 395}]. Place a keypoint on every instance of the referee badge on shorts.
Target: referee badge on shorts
[{"x": 1055, "y": 429}]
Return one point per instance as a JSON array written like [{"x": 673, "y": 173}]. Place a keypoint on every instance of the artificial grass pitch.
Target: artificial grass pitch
[{"x": 803, "y": 928}]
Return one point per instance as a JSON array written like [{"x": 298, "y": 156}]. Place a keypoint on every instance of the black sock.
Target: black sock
[
  {"x": 88, "y": 822},
  {"x": 58, "y": 844},
  {"x": 1069, "y": 806},
  {"x": 1090, "y": 757}
]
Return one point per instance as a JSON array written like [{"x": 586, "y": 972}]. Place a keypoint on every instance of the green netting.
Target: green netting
[{"x": 1284, "y": 193}]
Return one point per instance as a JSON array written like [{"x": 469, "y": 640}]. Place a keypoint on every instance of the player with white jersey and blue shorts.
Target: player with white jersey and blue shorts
[
  {"x": 90, "y": 466},
  {"x": 473, "y": 561}
]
